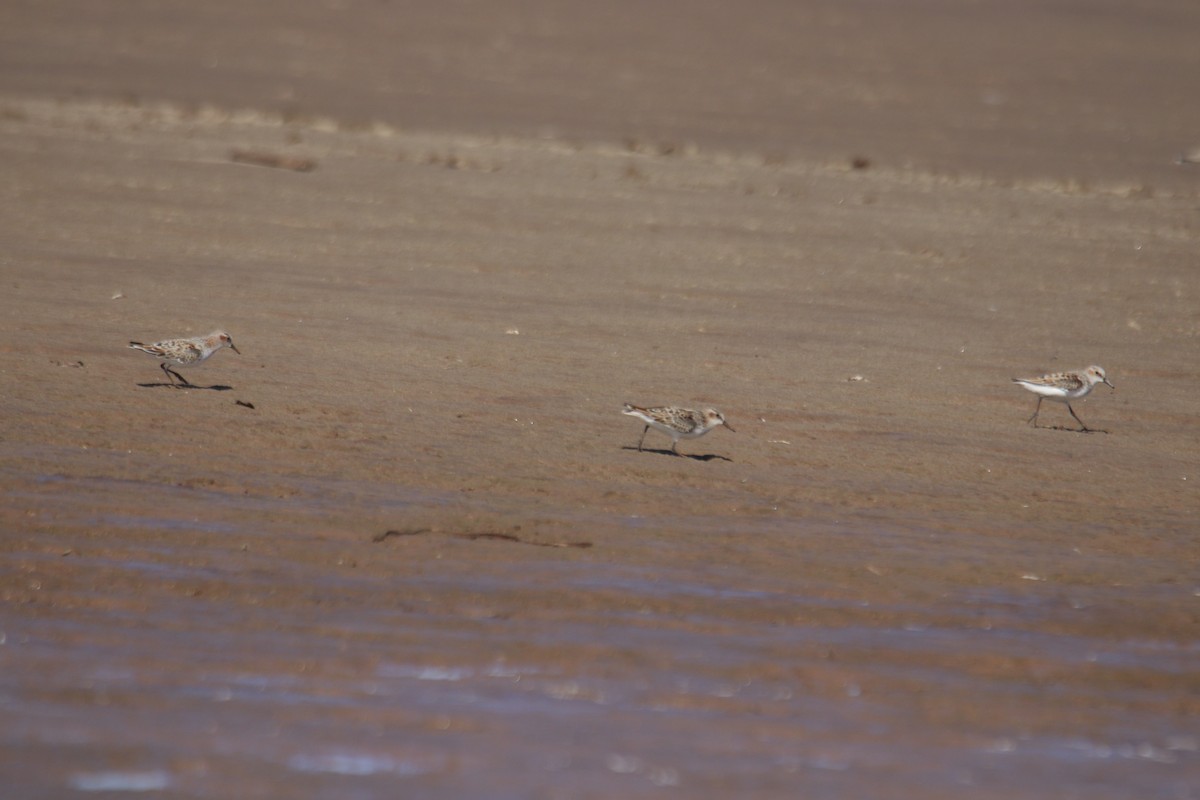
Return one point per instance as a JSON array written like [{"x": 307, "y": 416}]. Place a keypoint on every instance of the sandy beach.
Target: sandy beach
[{"x": 405, "y": 544}]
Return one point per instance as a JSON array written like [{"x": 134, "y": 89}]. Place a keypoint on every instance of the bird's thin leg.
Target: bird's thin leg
[
  {"x": 643, "y": 438},
  {"x": 1033, "y": 420},
  {"x": 1083, "y": 427},
  {"x": 167, "y": 371},
  {"x": 673, "y": 443},
  {"x": 184, "y": 381}
]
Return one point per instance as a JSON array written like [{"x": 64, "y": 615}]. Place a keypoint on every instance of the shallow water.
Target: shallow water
[{"x": 202, "y": 669}]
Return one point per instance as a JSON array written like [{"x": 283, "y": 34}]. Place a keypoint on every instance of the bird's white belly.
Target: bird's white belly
[
  {"x": 191, "y": 359},
  {"x": 1049, "y": 392},
  {"x": 674, "y": 433}
]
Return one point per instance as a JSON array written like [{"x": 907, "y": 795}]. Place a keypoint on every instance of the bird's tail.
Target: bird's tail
[{"x": 629, "y": 408}]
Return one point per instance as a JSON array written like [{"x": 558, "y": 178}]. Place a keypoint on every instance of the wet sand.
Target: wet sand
[{"x": 404, "y": 544}]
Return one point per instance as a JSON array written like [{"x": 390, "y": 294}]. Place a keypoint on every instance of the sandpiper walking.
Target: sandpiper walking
[
  {"x": 186, "y": 352},
  {"x": 678, "y": 423},
  {"x": 1063, "y": 387}
]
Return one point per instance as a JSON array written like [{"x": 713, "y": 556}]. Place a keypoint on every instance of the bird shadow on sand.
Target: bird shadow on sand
[
  {"x": 705, "y": 457},
  {"x": 214, "y": 388},
  {"x": 1068, "y": 430}
]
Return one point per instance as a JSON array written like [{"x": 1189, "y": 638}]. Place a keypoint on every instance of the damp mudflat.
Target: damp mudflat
[{"x": 404, "y": 544}]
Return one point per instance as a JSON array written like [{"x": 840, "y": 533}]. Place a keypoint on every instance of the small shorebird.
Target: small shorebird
[
  {"x": 678, "y": 423},
  {"x": 1063, "y": 387},
  {"x": 186, "y": 352}
]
